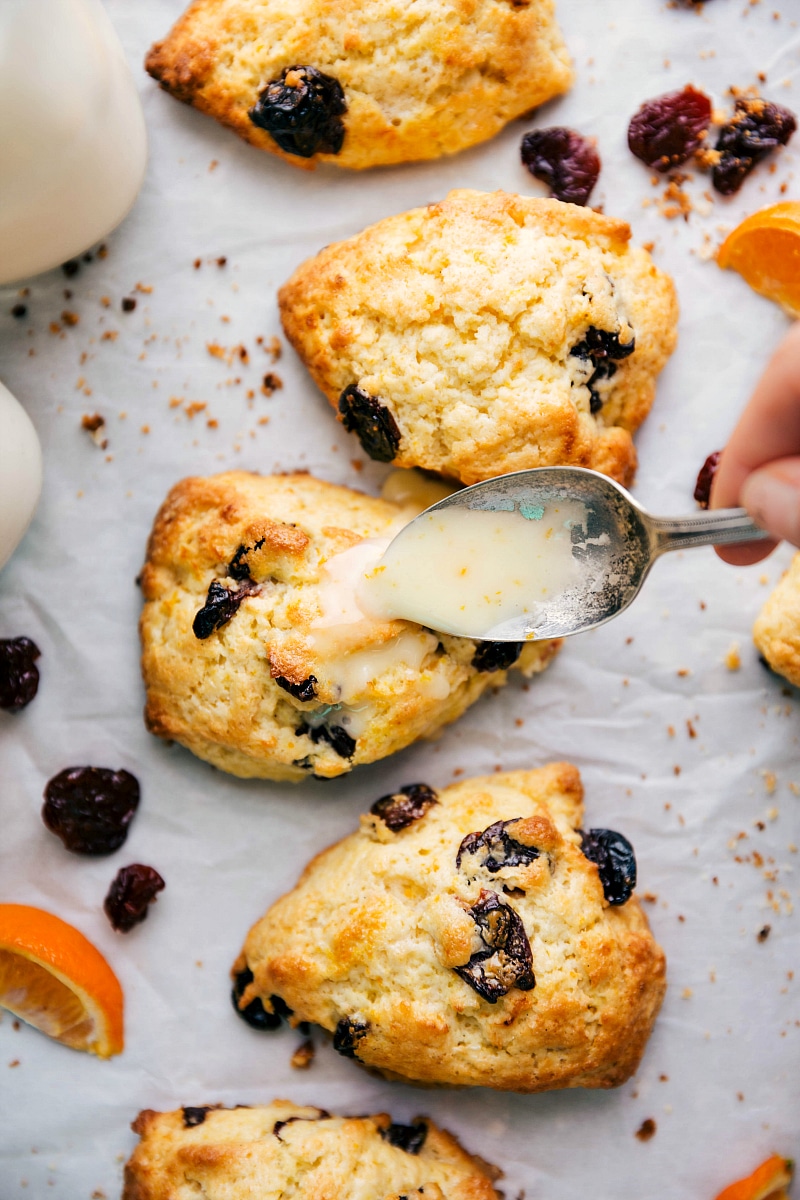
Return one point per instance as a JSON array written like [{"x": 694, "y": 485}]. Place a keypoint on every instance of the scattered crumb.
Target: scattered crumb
[
  {"x": 733, "y": 659},
  {"x": 683, "y": 672},
  {"x": 303, "y": 1056},
  {"x": 270, "y": 383},
  {"x": 144, "y": 288},
  {"x": 690, "y": 729},
  {"x": 14, "y": 1062},
  {"x": 646, "y": 1130},
  {"x": 770, "y": 781},
  {"x": 687, "y": 993},
  {"x": 95, "y": 426},
  {"x": 764, "y": 933},
  {"x": 650, "y": 897},
  {"x": 128, "y": 303}
]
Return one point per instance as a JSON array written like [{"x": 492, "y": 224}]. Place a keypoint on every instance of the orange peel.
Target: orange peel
[
  {"x": 765, "y": 250},
  {"x": 768, "y": 1182}
]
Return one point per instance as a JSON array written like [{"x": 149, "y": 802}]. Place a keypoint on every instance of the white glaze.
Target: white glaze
[
  {"x": 20, "y": 473},
  {"x": 72, "y": 132},
  {"x": 467, "y": 572}
]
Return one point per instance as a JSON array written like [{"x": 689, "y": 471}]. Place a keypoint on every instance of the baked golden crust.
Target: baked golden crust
[
  {"x": 282, "y": 1150},
  {"x": 383, "y": 684},
  {"x": 460, "y": 318},
  {"x": 776, "y": 632},
  {"x": 369, "y": 943},
  {"x": 419, "y": 80}
]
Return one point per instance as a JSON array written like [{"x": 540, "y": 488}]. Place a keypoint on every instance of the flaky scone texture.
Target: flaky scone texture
[
  {"x": 419, "y": 80},
  {"x": 375, "y": 941},
  {"x": 282, "y": 1151},
  {"x": 776, "y": 632},
  {"x": 235, "y": 696},
  {"x": 468, "y": 321}
]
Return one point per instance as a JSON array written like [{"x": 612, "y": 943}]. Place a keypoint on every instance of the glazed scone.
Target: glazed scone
[
  {"x": 281, "y": 1150},
  {"x": 485, "y": 334},
  {"x": 776, "y": 632},
  {"x": 465, "y": 939},
  {"x": 363, "y": 83},
  {"x": 253, "y": 654}
]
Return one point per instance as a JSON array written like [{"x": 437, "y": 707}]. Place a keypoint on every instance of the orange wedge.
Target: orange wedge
[
  {"x": 56, "y": 980},
  {"x": 766, "y": 1183},
  {"x": 765, "y": 250}
]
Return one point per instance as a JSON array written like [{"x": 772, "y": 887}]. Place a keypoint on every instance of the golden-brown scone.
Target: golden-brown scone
[
  {"x": 399, "y": 82},
  {"x": 281, "y": 1150},
  {"x": 485, "y": 334},
  {"x": 776, "y": 632},
  {"x": 495, "y": 960},
  {"x": 262, "y": 688}
]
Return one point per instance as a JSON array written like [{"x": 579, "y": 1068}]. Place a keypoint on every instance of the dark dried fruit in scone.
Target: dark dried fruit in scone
[
  {"x": 90, "y": 808},
  {"x": 371, "y": 422},
  {"x": 195, "y": 1116},
  {"x": 321, "y": 1114},
  {"x": 497, "y": 847},
  {"x": 705, "y": 478},
  {"x": 405, "y": 806},
  {"x": 305, "y": 690},
  {"x": 602, "y": 348},
  {"x": 666, "y": 131},
  {"x": 238, "y": 567},
  {"x": 302, "y": 111},
  {"x": 337, "y": 738},
  {"x": 254, "y": 1013},
  {"x": 615, "y": 859},
  {"x": 349, "y": 1032},
  {"x": 131, "y": 893},
  {"x": 756, "y": 128},
  {"x": 19, "y": 675},
  {"x": 563, "y": 159},
  {"x": 410, "y": 1138},
  {"x": 221, "y": 605},
  {"x": 506, "y": 962},
  {"x": 496, "y": 656}
]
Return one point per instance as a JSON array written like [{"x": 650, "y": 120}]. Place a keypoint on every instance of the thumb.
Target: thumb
[{"x": 772, "y": 497}]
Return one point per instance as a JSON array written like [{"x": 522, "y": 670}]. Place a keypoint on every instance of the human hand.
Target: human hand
[{"x": 760, "y": 466}]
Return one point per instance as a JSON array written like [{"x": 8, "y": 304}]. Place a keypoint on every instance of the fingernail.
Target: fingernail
[{"x": 774, "y": 503}]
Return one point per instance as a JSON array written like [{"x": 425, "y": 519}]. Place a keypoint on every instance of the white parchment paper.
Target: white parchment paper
[{"x": 714, "y": 817}]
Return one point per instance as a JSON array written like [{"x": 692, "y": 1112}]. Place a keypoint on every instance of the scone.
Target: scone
[
  {"x": 477, "y": 936},
  {"x": 280, "y": 1150},
  {"x": 254, "y": 654},
  {"x": 776, "y": 632},
  {"x": 363, "y": 83},
  {"x": 485, "y": 334}
]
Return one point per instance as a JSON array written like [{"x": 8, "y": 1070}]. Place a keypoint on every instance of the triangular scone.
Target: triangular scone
[
  {"x": 363, "y": 83},
  {"x": 467, "y": 938},
  {"x": 278, "y": 1150},
  {"x": 485, "y": 334},
  {"x": 776, "y": 632},
  {"x": 242, "y": 656}
]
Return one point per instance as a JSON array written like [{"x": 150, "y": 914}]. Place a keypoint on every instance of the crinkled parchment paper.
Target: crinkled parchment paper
[{"x": 697, "y": 764}]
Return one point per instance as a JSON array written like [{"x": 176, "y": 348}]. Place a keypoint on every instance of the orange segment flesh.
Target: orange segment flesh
[
  {"x": 765, "y": 250},
  {"x": 766, "y": 1183},
  {"x": 52, "y": 977}
]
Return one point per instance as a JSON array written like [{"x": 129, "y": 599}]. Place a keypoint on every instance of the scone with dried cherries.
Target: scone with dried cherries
[
  {"x": 777, "y": 630},
  {"x": 254, "y": 653},
  {"x": 363, "y": 83},
  {"x": 278, "y": 1150},
  {"x": 485, "y": 334},
  {"x": 474, "y": 936}
]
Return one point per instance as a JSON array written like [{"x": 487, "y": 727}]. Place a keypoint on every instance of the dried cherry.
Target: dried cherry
[
  {"x": 302, "y": 111},
  {"x": 90, "y": 808},
  {"x": 19, "y": 675},
  {"x": 705, "y": 478},
  {"x": 221, "y": 605},
  {"x": 400, "y": 809},
  {"x": 756, "y": 128},
  {"x": 506, "y": 962},
  {"x": 254, "y": 1012},
  {"x": 305, "y": 690},
  {"x": 666, "y": 131},
  {"x": 371, "y": 422},
  {"x": 410, "y": 1138},
  {"x": 337, "y": 738},
  {"x": 563, "y": 159},
  {"x": 196, "y": 1116},
  {"x": 615, "y": 859},
  {"x": 238, "y": 567},
  {"x": 349, "y": 1032},
  {"x": 131, "y": 893},
  {"x": 496, "y": 656},
  {"x": 501, "y": 849}
]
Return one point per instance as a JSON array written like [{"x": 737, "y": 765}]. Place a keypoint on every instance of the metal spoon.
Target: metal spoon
[{"x": 616, "y": 548}]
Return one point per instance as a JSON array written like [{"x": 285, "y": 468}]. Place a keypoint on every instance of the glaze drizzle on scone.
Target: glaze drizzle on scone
[
  {"x": 485, "y": 334},
  {"x": 253, "y": 656},
  {"x": 473, "y": 945}
]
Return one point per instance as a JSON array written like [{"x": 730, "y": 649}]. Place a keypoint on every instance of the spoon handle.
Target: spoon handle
[{"x": 719, "y": 527}]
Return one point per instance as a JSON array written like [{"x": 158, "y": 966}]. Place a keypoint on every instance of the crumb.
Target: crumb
[
  {"x": 671, "y": 730},
  {"x": 19, "y": 311},
  {"x": 687, "y": 993},
  {"x": 733, "y": 659},
  {"x": 770, "y": 781},
  {"x": 272, "y": 348},
  {"x": 95, "y": 426},
  {"x": 128, "y": 304},
  {"x": 145, "y": 429},
  {"x": 650, "y": 897},
  {"x": 212, "y": 166},
  {"x": 197, "y": 264},
  {"x": 683, "y": 672},
  {"x": 271, "y": 383},
  {"x": 110, "y": 335},
  {"x": 690, "y": 729},
  {"x": 14, "y": 1062},
  {"x": 764, "y": 933},
  {"x": 16, "y": 1025},
  {"x": 646, "y": 1130},
  {"x": 196, "y": 406},
  {"x": 71, "y": 268},
  {"x": 222, "y": 261},
  {"x": 303, "y": 1056},
  {"x": 664, "y": 1078},
  {"x": 212, "y": 423},
  {"x": 676, "y": 770},
  {"x": 55, "y": 327}
]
